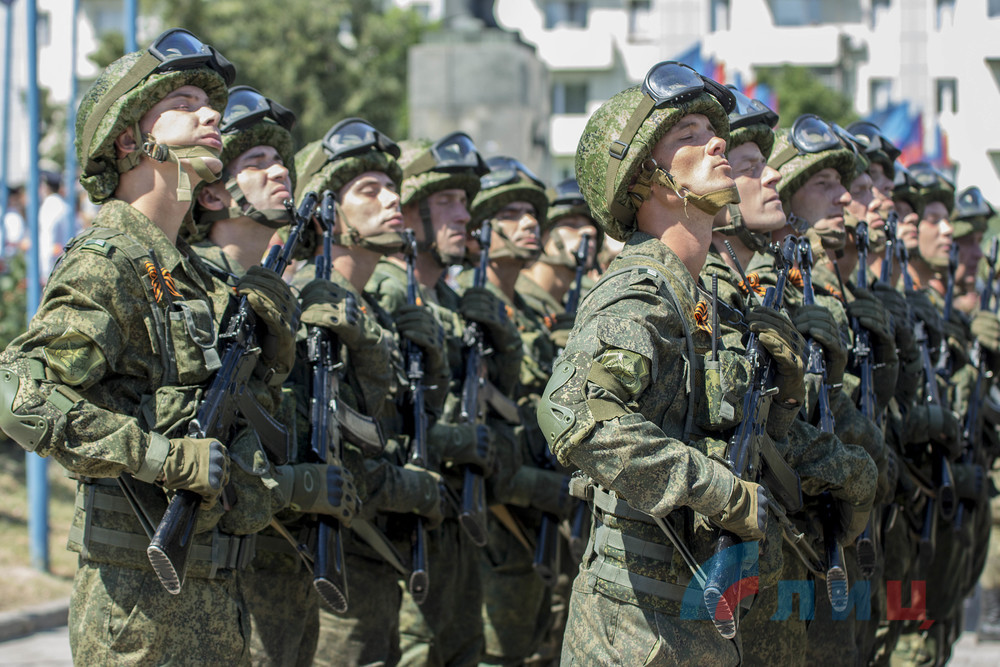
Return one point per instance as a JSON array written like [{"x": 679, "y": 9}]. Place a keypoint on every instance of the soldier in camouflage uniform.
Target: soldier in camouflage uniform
[
  {"x": 616, "y": 405},
  {"x": 439, "y": 181},
  {"x": 114, "y": 363},
  {"x": 235, "y": 219},
  {"x": 516, "y": 601},
  {"x": 358, "y": 164}
]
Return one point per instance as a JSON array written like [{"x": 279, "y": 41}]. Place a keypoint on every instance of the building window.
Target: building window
[
  {"x": 720, "y": 15},
  {"x": 566, "y": 14},
  {"x": 43, "y": 29},
  {"x": 880, "y": 8},
  {"x": 796, "y": 12},
  {"x": 879, "y": 93},
  {"x": 993, "y": 8},
  {"x": 569, "y": 97},
  {"x": 640, "y": 19},
  {"x": 947, "y": 95},
  {"x": 944, "y": 15}
]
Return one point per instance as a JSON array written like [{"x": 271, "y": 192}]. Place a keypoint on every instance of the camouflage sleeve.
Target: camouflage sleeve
[
  {"x": 372, "y": 367},
  {"x": 852, "y": 427},
  {"x": 825, "y": 463},
  {"x": 85, "y": 363},
  {"x": 602, "y": 391}
]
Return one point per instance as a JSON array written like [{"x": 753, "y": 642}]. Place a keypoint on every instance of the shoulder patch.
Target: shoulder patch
[{"x": 74, "y": 357}]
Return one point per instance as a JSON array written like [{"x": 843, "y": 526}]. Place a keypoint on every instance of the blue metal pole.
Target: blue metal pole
[
  {"x": 131, "y": 12},
  {"x": 37, "y": 470},
  {"x": 8, "y": 37},
  {"x": 69, "y": 177}
]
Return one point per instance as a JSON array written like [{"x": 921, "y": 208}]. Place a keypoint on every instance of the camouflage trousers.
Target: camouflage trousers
[
  {"x": 766, "y": 640},
  {"x": 447, "y": 628},
  {"x": 516, "y": 611},
  {"x": 368, "y": 632},
  {"x": 899, "y": 563},
  {"x": 284, "y": 611},
  {"x": 833, "y": 640},
  {"x": 604, "y": 631},
  {"x": 120, "y": 615}
]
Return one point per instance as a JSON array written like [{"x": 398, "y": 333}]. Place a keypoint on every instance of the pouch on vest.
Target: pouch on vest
[{"x": 194, "y": 336}]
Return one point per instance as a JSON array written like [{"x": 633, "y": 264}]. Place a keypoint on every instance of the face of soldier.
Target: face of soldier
[
  {"x": 906, "y": 228},
  {"x": 821, "y": 201},
  {"x": 519, "y": 222},
  {"x": 694, "y": 155},
  {"x": 185, "y": 118},
  {"x": 570, "y": 231},
  {"x": 880, "y": 181},
  {"x": 970, "y": 252},
  {"x": 934, "y": 234},
  {"x": 263, "y": 177},
  {"x": 758, "y": 186},
  {"x": 449, "y": 215},
  {"x": 370, "y": 203},
  {"x": 864, "y": 205}
]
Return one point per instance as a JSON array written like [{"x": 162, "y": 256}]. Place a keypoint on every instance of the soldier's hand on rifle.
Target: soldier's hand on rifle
[
  {"x": 957, "y": 338},
  {"x": 275, "y": 304},
  {"x": 421, "y": 491},
  {"x": 546, "y": 490},
  {"x": 327, "y": 305},
  {"x": 417, "y": 324},
  {"x": 466, "y": 444},
  {"x": 485, "y": 308},
  {"x": 934, "y": 424},
  {"x": 776, "y": 333},
  {"x": 898, "y": 309},
  {"x": 986, "y": 327},
  {"x": 853, "y": 519},
  {"x": 874, "y": 317},
  {"x": 970, "y": 481},
  {"x": 745, "y": 514},
  {"x": 196, "y": 464},
  {"x": 562, "y": 324},
  {"x": 322, "y": 488},
  {"x": 816, "y": 322},
  {"x": 925, "y": 311}
]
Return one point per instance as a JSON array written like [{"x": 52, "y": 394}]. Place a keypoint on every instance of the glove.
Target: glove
[
  {"x": 323, "y": 488},
  {"x": 745, "y": 515},
  {"x": 196, "y": 464},
  {"x": 465, "y": 444},
  {"x": 273, "y": 302},
  {"x": 817, "y": 322},
  {"x": 933, "y": 424},
  {"x": 957, "y": 338},
  {"x": 421, "y": 492},
  {"x": 870, "y": 314},
  {"x": 483, "y": 307},
  {"x": 546, "y": 490},
  {"x": 559, "y": 331},
  {"x": 853, "y": 519},
  {"x": 328, "y": 305},
  {"x": 778, "y": 336},
  {"x": 970, "y": 481},
  {"x": 898, "y": 309},
  {"x": 986, "y": 327},
  {"x": 925, "y": 311},
  {"x": 418, "y": 325}
]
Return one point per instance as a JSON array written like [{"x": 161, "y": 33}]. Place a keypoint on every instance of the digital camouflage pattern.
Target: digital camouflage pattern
[
  {"x": 797, "y": 168},
  {"x": 489, "y": 202},
  {"x": 416, "y": 187}
]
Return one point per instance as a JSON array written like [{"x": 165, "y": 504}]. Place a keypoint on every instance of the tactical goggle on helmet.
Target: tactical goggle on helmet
[
  {"x": 811, "y": 145},
  {"x": 876, "y": 145},
  {"x": 453, "y": 153},
  {"x": 247, "y": 107},
  {"x": 667, "y": 83},
  {"x": 567, "y": 200},
  {"x": 751, "y": 120},
  {"x": 934, "y": 186},
  {"x": 354, "y": 136},
  {"x": 905, "y": 188},
  {"x": 508, "y": 180},
  {"x": 972, "y": 212}
]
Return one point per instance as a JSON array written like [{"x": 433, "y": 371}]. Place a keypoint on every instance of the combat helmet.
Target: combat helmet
[
  {"x": 934, "y": 185},
  {"x": 564, "y": 201},
  {"x": 126, "y": 90},
  {"x": 972, "y": 212},
  {"x": 877, "y": 146},
  {"x": 905, "y": 188},
  {"x": 751, "y": 121},
  {"x": 613, "y": 159},
  {"x": 810, "y": 146},
  {"x": 508, "y": 181},
  {"x": 250, "y": 120},
  {"x": 452, "y": 162},
  {"x": 350, "y": 148}
]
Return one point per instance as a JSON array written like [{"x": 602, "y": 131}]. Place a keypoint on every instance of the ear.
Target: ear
[
  {"x": 210, "y": 198},
  {"x": 125, "y": 143}
]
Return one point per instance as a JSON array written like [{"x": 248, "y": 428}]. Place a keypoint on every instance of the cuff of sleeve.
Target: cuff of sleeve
[
  {"x": 156, "y": 453},
  {"x": 718, "y": 491}
]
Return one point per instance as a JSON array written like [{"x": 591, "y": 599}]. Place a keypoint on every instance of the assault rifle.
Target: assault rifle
[
  {"x": 419, "y": 582},
  {"x": 473, "y": 514},
  {"x": 329, "y": 574},
  {"x": 226, "y": 398},
  {"x": 836, "y": 571},
  {"x": 742, "y": 453}
]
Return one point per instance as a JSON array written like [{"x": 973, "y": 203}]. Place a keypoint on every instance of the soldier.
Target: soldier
[
  {"x": 439, "y": 181},
  {"x": 111, "y": 369},
  {"x": 239, "y": 216},
  {"x": 616, "y": 405},
  {"x": 358, "y": 164}
]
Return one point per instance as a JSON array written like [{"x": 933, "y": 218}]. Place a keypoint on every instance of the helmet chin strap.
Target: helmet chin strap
[
  {"x": 388, "y": 243},
  {"x": 443, "y": 260},
  {"x": 273, "y": 218},
  {"x": 562, "y": 256},
  {"x": 195, "y": 155},
  {"x": 754, "y": 241},
  {"x": 711, "y": 202},
  {"x": 508, "y": 250}
]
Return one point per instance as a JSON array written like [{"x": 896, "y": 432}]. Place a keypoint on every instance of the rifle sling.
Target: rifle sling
[
  {"x": 782, "y": 481},
  {"x": 504, "y": 516},
  {"x": 380, "y": 543},
  {"x": 504, "y": 406}
]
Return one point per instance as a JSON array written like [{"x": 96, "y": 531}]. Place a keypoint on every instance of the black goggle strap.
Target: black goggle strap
[{"x": 617, "y": 152}]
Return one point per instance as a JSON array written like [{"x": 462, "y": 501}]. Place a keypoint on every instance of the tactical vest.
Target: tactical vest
[{"x": 106, "y": 527}]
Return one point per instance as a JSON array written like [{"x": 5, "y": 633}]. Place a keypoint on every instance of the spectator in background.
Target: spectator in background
[
  {"x": 55, "y": 221},
  {"x": 12, "y": 231}
]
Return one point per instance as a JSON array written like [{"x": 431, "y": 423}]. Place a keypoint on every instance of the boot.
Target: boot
[{"x": 989, "y": 619}]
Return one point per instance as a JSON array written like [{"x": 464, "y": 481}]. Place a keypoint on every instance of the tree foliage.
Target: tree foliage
[
  {"x": 324, "y": 59},
  {"x": 800, "y": 91}
]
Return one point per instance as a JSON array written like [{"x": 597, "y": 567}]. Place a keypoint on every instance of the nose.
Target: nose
[
  {"x": 770, "y": 176},
  {"x": 209, "y": 115},
  {"x": 843, "y": 196},
  {"x": 390, "y": 198},
  {"x": 528, "y": 221},
  {"x": 277, "y": 171},
  {"x": 945, "y": 228},
  {"x": 716, "y": 146}
]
